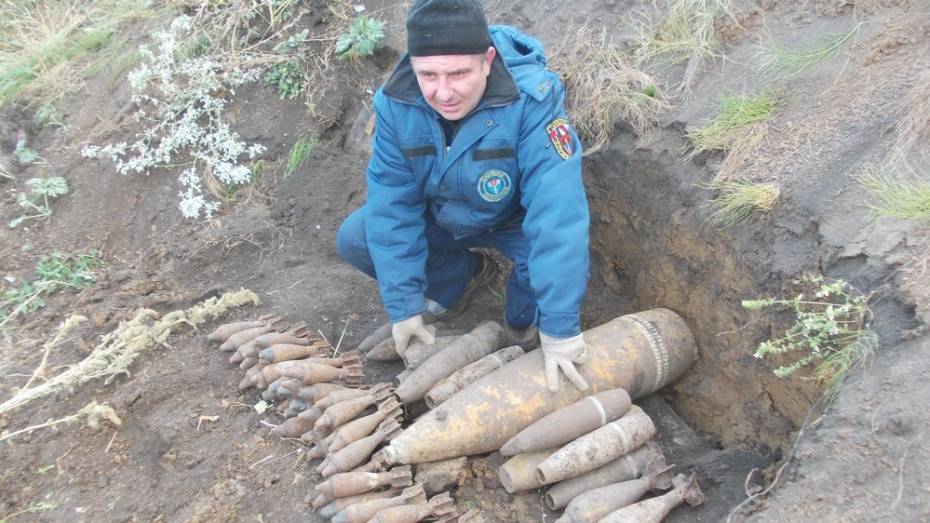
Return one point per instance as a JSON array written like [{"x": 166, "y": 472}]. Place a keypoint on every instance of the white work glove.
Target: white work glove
[
  {"x": 403, "y": 330},
  {"x": 563, "y": 353}
]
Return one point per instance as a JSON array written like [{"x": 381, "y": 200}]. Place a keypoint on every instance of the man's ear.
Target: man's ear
[{"x": 489, "y": 59}]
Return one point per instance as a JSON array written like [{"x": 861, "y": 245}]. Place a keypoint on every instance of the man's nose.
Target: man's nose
[{"x": 444, "y": 92}]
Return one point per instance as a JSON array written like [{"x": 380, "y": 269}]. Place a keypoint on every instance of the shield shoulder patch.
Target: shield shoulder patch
[{"x": 561, "y": 137}]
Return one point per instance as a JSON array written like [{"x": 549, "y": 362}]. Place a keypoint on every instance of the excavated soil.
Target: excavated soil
[{"x": 192, "y": 448}]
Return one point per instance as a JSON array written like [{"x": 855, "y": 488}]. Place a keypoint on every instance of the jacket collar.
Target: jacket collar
[{"x": 501, "y": 89}]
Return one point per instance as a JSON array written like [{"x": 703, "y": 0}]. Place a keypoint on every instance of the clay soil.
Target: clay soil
[{"x": 192, "y": 447}]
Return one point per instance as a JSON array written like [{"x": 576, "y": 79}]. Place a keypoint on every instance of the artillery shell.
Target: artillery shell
[
  {"x": 418, "y": 352},
  {"x": 295, "y": 407},
  {"x": 570, "y": 422},
  {"x": 236, "y": 357},
  {"x": 626, "y": 468},
  {"x": 351, "y": 483},
  {"x": 289, "y": 388},
  {"x": 244, "y": 336},
  {"x": 361, "y": 427},
  {"x": 319, "y": 391},
  {"x": 468, "y": 348},
  {"x": 251, "y": 375},
  {"x": 380, "y": 334},
  {"x": 340, "y": 504},
  {"x": 597, "y": 503},
  {"x": 598, "y": 447},
  {"x": 459, "y": 379},
  {"x": 639, "y": 353},
  {"x": 401, "y": 376},
  {"x": 654, "y": 510},
  {"x": 440, "y": 506},
  {"x": 248, "y": 350},
  {"x": 267, "y": 340},
  {"x": 519, "y": 472},
  {"x": 320, "y": 449},
  {"x": 344, "y": 394},
  {"x": 356, "y": 453},
  {"x": 223, "y": 332},
  {"x": 378, "y": 462},
  {"x": 247, "y": 363},
  {"x": 364, "y": 511}
]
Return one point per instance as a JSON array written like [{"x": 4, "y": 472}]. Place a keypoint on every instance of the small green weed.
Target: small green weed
[
  {"x": 288, "y": 77},
  {"x": 737, "y": 201},
  {"x": 26, "y": 155},
  {"x": 905, "y": 196},
  {"x": 36, "y": 201},
  {"x": 54, "y": 273},
  {"x": 361, "y": 39},
  {"x": 830, "y": 332},
  {"x": 49, "y": 115},
  {"x": 292, "y": 42},
  {"x": 40, "y": 506},
  {"x": 787, "y": 61},
  {"x": 736, "y": 114},
  {"x": 301, "y": 150}
]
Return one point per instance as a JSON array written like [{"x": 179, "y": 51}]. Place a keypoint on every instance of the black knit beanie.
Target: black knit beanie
[{"x": 442, "y": 27}]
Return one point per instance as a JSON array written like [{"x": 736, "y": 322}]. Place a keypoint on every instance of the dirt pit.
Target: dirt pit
[{"x": 191, "y": 447}]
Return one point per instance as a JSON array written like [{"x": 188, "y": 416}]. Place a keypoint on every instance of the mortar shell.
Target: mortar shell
[
  {"x": 319, "y": 391},
  {"x": 340, "y": 504},
  {"x": 630, "y": 466},
  {"x": 385, "y": 350},
  {"x": 401, "y": 376},
  {"x": 570, "y": 422},
  {"x": 342, "y": 412},
  {"x": 597, "y": 503},
  {"x": 247, "y": 363},
  {"x": 351, "y": 483},
  {"x": 236, "y": 357},
  {"x": 470, "y": 373},
  {"x": 361, "y": 427},
  {"x": 275, "y": 338},
  {"x": 364, "y": 511},
  {"x": 519, "y": 472},
  {"x": 289, "y": 388},
  {"x": 248, "y": 350},
  {"x": 468, "y": 348},
  {"x": 358, "y": 452},
  {"x": 333, "y": 397},
  {"x": 223, "y": 332},
  {"x": 244, "y": 336},
  {"x": 402, "y": 514},
  {"x": 598, "y": 447},
  {"x": 639, "y": 353},
  {"x": 654, "y": 510},
  {"x": 295, "y": 407},
  {"x": 251, "y": 376},
  {"x": 289, "y": 351},
  {"x": 418, "y": 352},
  {"x": 293, "y": 427}
]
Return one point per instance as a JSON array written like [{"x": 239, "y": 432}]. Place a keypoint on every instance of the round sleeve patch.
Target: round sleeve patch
[{"x": 561, "y": 136}]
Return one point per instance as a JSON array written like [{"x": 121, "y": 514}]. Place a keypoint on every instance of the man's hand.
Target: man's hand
[
  {"x": 403, "y": 330},
  {"x": 563, "y": 353}
]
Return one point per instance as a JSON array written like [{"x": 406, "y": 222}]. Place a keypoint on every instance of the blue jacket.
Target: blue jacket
[{"x": 509, "y": 156}]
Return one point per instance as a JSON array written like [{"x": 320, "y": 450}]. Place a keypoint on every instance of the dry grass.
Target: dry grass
[
  {"x": 604, "y": 86},
  {"x": 914, "y": 124},
  {"x": 737, "y": 201},
  {"x": 687, "y": 33},
  {"x": 899, "y": 190},
  {"x": 786, "y": 61}
]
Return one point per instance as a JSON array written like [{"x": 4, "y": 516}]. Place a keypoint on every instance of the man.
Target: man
[{"x": 471, "y": 149}]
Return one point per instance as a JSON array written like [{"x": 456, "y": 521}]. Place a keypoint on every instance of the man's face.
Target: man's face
[{"x": 453, "y": 84}]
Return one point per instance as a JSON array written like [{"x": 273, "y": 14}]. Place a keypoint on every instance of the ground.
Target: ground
[{"x": 191, "y": 447}]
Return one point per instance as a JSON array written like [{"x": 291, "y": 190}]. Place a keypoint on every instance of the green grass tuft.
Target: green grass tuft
[
  {"x": 737, "y": 201},
  {"x": 905, "y": 196},
  {"x": 736, "y": 113},
  {"x": 299, "y": 154},
  {"x": 787, "y": 61}
]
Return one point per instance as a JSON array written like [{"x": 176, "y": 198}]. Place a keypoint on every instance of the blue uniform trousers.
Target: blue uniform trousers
[{"x": 449, "y": 264}]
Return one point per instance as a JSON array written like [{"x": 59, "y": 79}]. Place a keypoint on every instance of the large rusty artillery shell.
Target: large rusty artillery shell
[
  {"x": 361, "y": 427},
  {"x": 597, "y": 503},
  {"x": 440, "y": 506},
  {"x": 519, "y": 472},
  {"x": 244, "y": 336},
  {"x": 598, "y": 447},
  {"x": 630, "y": 466},
  {"x": 468, "y": 348},
  {"x": 385, "y": 350},
  {"x": 358, "y": 452},
  {"x": 345, "y": 411},
  {"x": 418, "y": 352},
  {"x": 351, "y": 483},
  {"x": 339, "y": 504},
  {"x": 364, "y": 511},
  {"x": 570, "y": 422},
  {"x": 291, "y": 351},
  {"x": 654, "y": 510},
  {"x": 470, "y": 373},
  {"x": 377, "y": 336},
  {"x": 639, "y": 353}
]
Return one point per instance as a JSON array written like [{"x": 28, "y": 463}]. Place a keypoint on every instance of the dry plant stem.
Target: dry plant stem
[
  {"x": 118, "y": 349},
  {"x": 93, "y": 411},
  {"x": 914, "y": 123}
]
